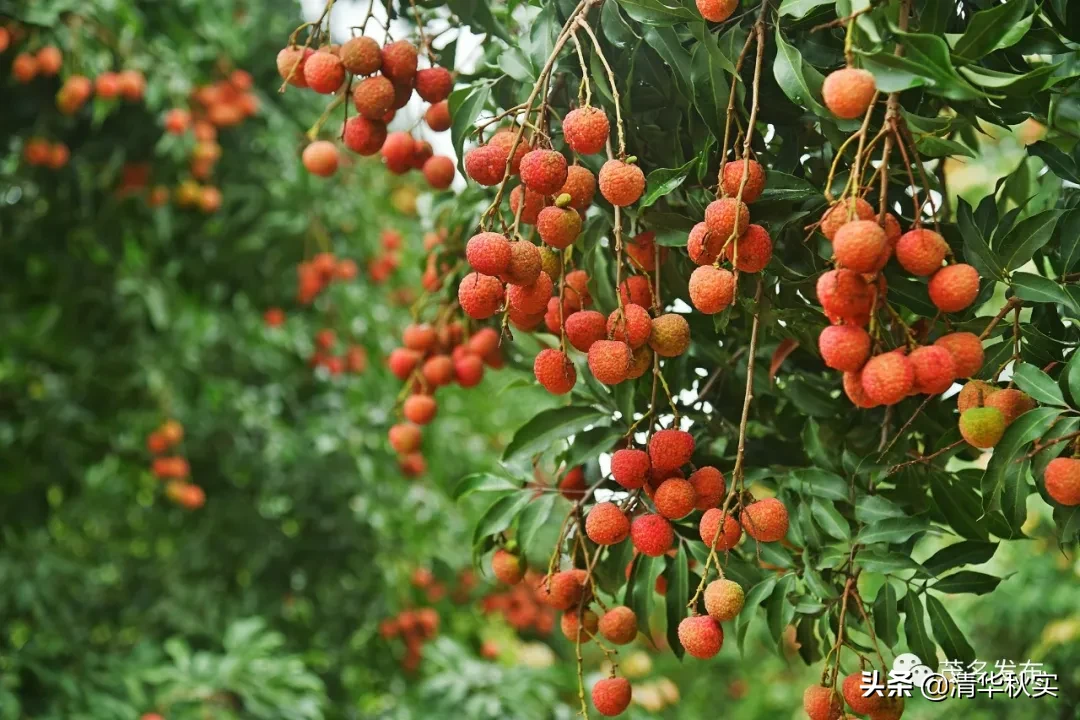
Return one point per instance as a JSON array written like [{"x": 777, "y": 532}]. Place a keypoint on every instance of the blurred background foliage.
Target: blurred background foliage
[{"x": 267, "y": 601}]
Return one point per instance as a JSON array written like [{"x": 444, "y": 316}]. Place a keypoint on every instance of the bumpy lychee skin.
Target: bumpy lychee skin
[
  {"x": 709, "y": 487},
  {"x": 504, "y": 139},
  {"x": 609, "y": 361},
  {"x": 488, "y": 253},
  {"x": 642, "y": 251},
  {"x": 921, "y": 251},
  {"x": 486, "y": 165},
  {"x": 323, "y": 72},
  {"x": 289, "y": 69},
  {"x": 361, "y": 56},
  {"x": 630, "y": 467},
  {"x": 732, "y": 175},
  {"x": 822, "y": 703},
  {"x": 701, "y": 636},
  {"x": 543, "y": 171},
  {"x": 888, "y": 378},
  {"x": 580, "y": 185},
  {"x": 637, "y": 290},
  {"x": 373, "y": 97},
  {"x": 606, "y": 524},
  {"x": 729, "y": 537},
  {"x": 632, "y": 325},
  {"x": 577, "y": 289},
  {"x": 704, "y": 247},
  {"x": 853, "y": 388},
  {"x": 954, "y": 288},
  {"x": 716, "y": 10},
  {"x": 562, "y": 591},
  {"x": 555, "y": 371},
  {"x": 525, "y": 265},
  {"x": 437, "y": 116},
  {"x": 611, "y": 696},
  {"x": 619, "y": 625},
  {"x": 837, "y": 215},
  {"x": 569, "y": 625},
  {"x": 934, "y": 369},
  {"x": 675, "y": 498},
  {"x": 363, "y": 136},
  {"x": 585, "y": 327},
  {"x": 531, "y": 299},
  {"x": 558, "y": 227},
  {"x": 1062, "y": 476},
  {"x": 621, "y": 183},
  {"x": 765, "y": 520},
  {"x": 724, "y": 599},
  {"x": 967, "y": 351},
  {"x": 720, "y": 219},
  {"x": 845, "y": 295},
  {"x": 480, "y": 296},
  {"x": 858, "y": 245},
  {"x": 1011, "y": 402},
  {"x": 974, "y": 394},
  {"x": 321, "y": 158},
  {"x": 844, "y": 347},
  {"x": 434, "y": 84},
  {"x": 399, "y": 62},
  {"x": 670, "y": 449},
  {"x": 670, "y": 335},
  {"x": 848, "y": 92},
  {"x": 507, "y": 567},
  {"x": 711, "y": 289},
  {"x": 534, "y": 203},
  {"x": 753, "y": 250},
  {"x": 855, "y": 694},
  {"x": 651, "y": 535},
  {"x": 982, "y": 427},
  {"x": 892, "y": 708},
  {"x": 404, "y": 438},
  {"x": 586, "y": 130}
]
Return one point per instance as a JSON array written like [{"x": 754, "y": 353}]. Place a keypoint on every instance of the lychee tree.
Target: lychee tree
[{"x": 805, "y": 155}]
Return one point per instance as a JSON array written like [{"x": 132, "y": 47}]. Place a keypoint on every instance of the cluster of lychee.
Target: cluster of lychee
[
  {"x": 38, "y": 152},
  {"x": 987, "y": 410},
  {"x": 76, "y": 89},
  {"x": 414, "y": 627},
  {"x": 727, "y": 234},
  {"x": 173, "y": 468},
  {"x": 315, "y": 275},
  {"x": 382, "y": 266},
  {"x": 821, "y": 702},
  {"x": 337, "y": 357},
  {"x": 520, "y": 605},
  {"x": 226, "y": 103},
  {"x": 382, "y": 81},
  {"x": 432, "y": 356}
]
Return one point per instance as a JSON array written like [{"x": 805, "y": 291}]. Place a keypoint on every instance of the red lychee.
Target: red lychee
[
  {"x": 853, "y": 388},
  {"x": 1062, "y": 477},
  {"x": 822, "y": 703},
  {"x": 488, "y": 253},
  {"x": 933, "y": 368},
  {"x": 701, "y": 636},
  {"x": 675, "y": 498},
  {"x": 967, "y": 352},
  {"x": 716, "y": 10},
  {"x": 842, "y": 212},
  {"x": 290, "y": 65},
  {"x": 439, "y": 172},
  {"x": 618, "y": 625},
  {"x": 507, "y": 567},
  {"x": 504, "y": 140},
  {"x": 704, "y": 247},
  {"x": 710, "y": 523},
  {"x": 753, "y": 248},
  {"x": 855, "y": 693},
  {"x": 525, "y": 265},
  {"x": 725, "y": 217},
  {"x": 480, "y": 296},
  {"x": 586, "y": 130},
  {"x": 361, "y": 55},
  {"x": 606, "y": 524},
  {"x": 621, "y": 183},
  {"x": 630, "y": 467},
  {"x": 486, "y": 164},
  {"x": 844, "y": 294},
  {"x": 670, "y": 449},
  {"x": 572, "y": 629},
  {"x": 419, "y": 409},
  {"x": 724, "y": 600},
  {"x": 888, "y": 378},
  {"x": 642, "y": 251},
  {"x": 609, "y": 361},
  {"x": 558, "y": 227},
  {"x": 858, "y": 245},
  {"x": 434, "y": 84},
  {"x": 534, "y": 203},
  {"x": 580, "y": 185},
  {"x": 651, "y": 535},
  {"x": 364, "y": 136},
  {"x": 848, "y": 92},
  {"x": 373, "y": 97},
  {"x": 404, "y": 438},
  {"x": 554, "y": 371},
  {"x": 709, "y": 487},
  {"x": 732, "y": 174},
  {"x": 399, "y": 62},
  {"x": 670, "y": 335},
  {"x": 562, "y": 591},
  {"x": 585, "y": 327},
  {"x": 765, "y": 520},
  {"x": 636, "y": 290},
  {"x": 321, "y": 158},
  {"x": 1011, "y": 402},
  {"x": 543, "y": 171},
  {"x": 844, "y": 347},
  {"x": 631, "y": 325},
  {"x": 397, "y": 152},
  {"x": 532, "y": 298},
  {"x": 323, "y": 72},
  {"x": 611, "y": 696},
  {"x": 954, "y": 287},
  {"x": 402, "y": 362},
  {"x": 437, "y": 116},
  {"x": 921, "y": 251}
]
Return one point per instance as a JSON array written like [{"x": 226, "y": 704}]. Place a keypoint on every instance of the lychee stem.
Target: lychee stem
[
  {"x": 611, "y": 81},
  {"x": 584, "y": 88}
]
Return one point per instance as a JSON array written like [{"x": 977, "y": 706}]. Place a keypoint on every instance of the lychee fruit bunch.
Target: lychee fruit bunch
[{"x": 586, "y": 130}]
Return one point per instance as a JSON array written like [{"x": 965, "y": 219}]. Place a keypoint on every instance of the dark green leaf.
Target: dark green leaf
[
  {"x": 990, "y": 30},
  {"x": 590, "y": 443},
  {"x": 616, "y": 30},
  {"x": 663, "y": 181},
  {"x": 757, "y": 594},
  {"x": 800, "y": 8},
  {"x": 931, "y": 146},
  {"x": 1059, "y": 163},
  {"x": 465, "y": 106},
  {"x": 925, "y": 63},
  {"x": 500, "y": 515},
  {"x": 778, "y": 610},
  {"x": 709, "y": 81},
  {"x": 678, "y": 592},
  {"x": 947, "y": 634},
  {"x": 886, "y": 616},
  {"x": 819, "y": 483},
  {"x": 1038, "y": 385},
  {"x": 532, "y": 518},
  {"x": 666, "y": 43},
  {"x": 829, "y": 519},
  {"x": 1019, "y": 434},
  {"x": 798, "y": 79},
  {"x": 967, "y": 581},
  {"x": 959, "y": 504},
  {"x": 967, "y": 552},
  {"x": 1020, "y": 244},
  {"x": 482, "y": 482},
  {"x": 656, "y": 13},
  {"x": 915, "y": 631},
  {"x": 873, "y": 508},
  {"x": 548, "y": 426},
  {"x": 976, "y": 249},
  {"x": 891, "y": 530},
  {"x": 1037, "y": 289}
]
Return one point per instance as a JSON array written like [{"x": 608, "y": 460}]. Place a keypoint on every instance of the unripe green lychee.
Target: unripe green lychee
[
  {"x": 631, "y": 325},
  {"x": 525, "y": 267},
  {"x": 488, "y": 253},
  {"x": 709, "y": 487},
  {"x": 982, "y": 427},
  {"x": 934, "y": 369},
  {"x": 723, "y": 216},
  {"x": 609, "y": 361},
  {"x": 724, "y": 599},
  {"x": 967, "y": 351},
  {"x": 848, "y": 92},
  {"x": 586, "y": 130},
  {"x": 606, "y": 524},
  {"x": 888, "y": 378},
  {"x": 675, "y": 498},
  {"x": 844, "y": 347},
  {"x": 543, "y": 171},
  {"x": 621, "y": 183},
  {"x": 651, "y": 535},
  {"x": 480, "y": 296},
  {"x": 619, "y": 625},
  {"x": 507, "y": 567},
  {"x": 551, "y": 262},
  {"x": 670, "y": 335},
  {"x": 765, "y": 520},
  {"x": 822, "y": 703},
  {"x": 1011, "y": 402},
  {"x": 580, "y": 185},
  {"x": 954, "y": 287},
  {"x": 731, "y": 178},
  {"x": 585, "y": 327},
  {"x": 710, "y": 522},
  {"x": 1062, "y": 476},
  {"x": 611, "y": 696},
  {"x": 701, "y": 636},
  {"x": 670, "y": 449},
  {"x": 630, "y": 467},
  {"x": 859, "y": 245},
  {"x": 558, "y": 227},
  {"x": 921, "y": 251},
  {"x": 704, "y": 247}
]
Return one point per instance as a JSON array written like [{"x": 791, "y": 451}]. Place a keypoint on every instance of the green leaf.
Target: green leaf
[
  {"x": 966, "y": 552},
  {"x": 478, "y": 15},
  {"x": 616, "y": 30},
  {"x": 1019, "y": 434},
  {"x": 889, "y": 562},
  {"x": 1071, "y": 377},
  {"x": 989, "y": 30},
  {"x": 1059, "y": 163},
  {"x": 664, "y": 181},
  {"x": 799, "y": 80},
  {"x": 666, "y": 43},
  {"x": 932, "y": 146},
  {"x": 1020, "y": 244},
  {"x": 819, "y": 483},
  {"x": 590, "y": 443},
  {"x": 925, "y": 63},
  {"x": 656, "y": 13},
  {"x": 465, "y": 106},
  {"x": 757, "y": 594},
  {"x": 639, "y": 588},
  {"x": 708, "y": 79},
  {"x": 915, "y": 632},
  {"x": 967, "y": 581},
  {"x": 781, "y": 187},
  {"x": 886, "y": 617},
  {"x": 829, "y": 519},
  {"x": 549, "y": 426},
  {"x": 481, "y": 482},
  {"x": 499, "y": 516},
  {"x": 678, "y": 592},
  {"x": 1011, "y": 84},
  {"x": 976, "y": 249},
  {"x": 1037, "y": 289},
  {"x": 533, "y": 518},
  {"x": 873, "y": 508},
  {"x": 1068, "y": 239},
  {"x": 514, "y": 63},
  {"x": 959, "y": 503},
  {"x": 1038, "y": 385},
  {"x": 779, "y": 612},
  {"x": 800, "y": 8},
  {"x": 891, "y": 530},
  {"x": 947, "y": 634}
]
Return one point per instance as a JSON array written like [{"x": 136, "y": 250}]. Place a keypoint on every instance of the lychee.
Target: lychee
[
  {"x": 701, "y": 636},
  {"x": 437, "y": 116},
  {"x": 934, "y": 370},
  {"x": 619, "y": 625},
  {"x": 402, "y": 362},
  {"x": 439, "y": 172},
  {"x": 765, "y": 520},
  {"x": 323, "y": 72},
  {"x": 507, "y": 567},
  {"x": 558, "y": 227},
  {"x": 364, "y": 136},
  {"x": 630, "y": 324},
  {"x": 982, "y": 427},
  {"x": 580, "y": 185},
  {"x": 397, "y": 152},
  {"x": 858, "y": 245},
  {"x": 438, "y": 370},
  {"x": 974, "y": 394},
  {"x": 434, "y": 84},
  {"x": 525, "y": 266},
  {"x": 725, "y": 217},
  {"x": 543, "y": 171},
  {"x": 585, "y": 327},
  {"x": 586, "y": 130},
  {"x": 921, "y": 251},
  {"x": 606, "y": 524},
  {"x": 621, "y": 183},
  {"x": 709, "y": 487},
  {"x": 731, "y": 178},
  {"x": 611, "y": 696},
  {"x": 485, "y": 164},
  {"x": 651, "y": 535},
  {"x": 504, "y": 140},
  {"x": 573, "y": 630},
  {"x": 842, "y": 212},
  {"x": 670, "y": 335},
  {"x": 709, "y": 525},
  {"x": 853, "y": 388},
  {"x": 670, "y": 449},
  {"x": 844, "y": 347},
  {"x": 399, "y": 62},
  {"x": 630, "y": 467},
  {"x": 373, "y": 97},
  {"x": 1062, "y": 476},
  {"x": 404, "y": 438},
  {"x": 967, "y": 351},
  {"x": 822, "y": 703},
  {"x": 572, "y": 485},
  {"x": 752, "y": 251},
  {"x": 716, "y": 10},
  {"x": 855, "y": 694},
  {"x": 954, "y": 287},
  {"x": 888, "y": 378},
  {"x": 321, "y": 158},
  {"x": 554, "y": 371},
  {"x": 488, "y": 253},
  {"x": 844, "y": 295},
  {"x": 361, "y": 56},
  {"x": 609, "y": 361},
  {"x": 675, "y": 498},
  {"x": 562, "y": 591},
  {"x": 848, "y": 92},
  {"x": 531, "y": 298},
  {"x": 724, "y": 599},
  {"x": 1011, "y": 402},
  {"x": 290, "y": 65},
  {"x": 704, "y": 247},
  {"x": 534, "y": 203},
  {"x": 419, "y": 409},
  {"x": 636, "y": 290},
  {"x": 480, "y": 296}
]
